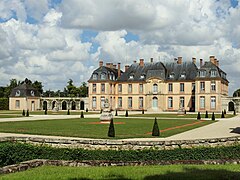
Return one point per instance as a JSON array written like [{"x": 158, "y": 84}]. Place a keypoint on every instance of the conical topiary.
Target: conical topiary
[
  {"x": 185, "y": 111},
  {"x": 143, "y": 111},
  {"x": 111, "y": 130},
  {"x": 198, "y": 116},
  {"x": 101, "y": 111},
  {"x": 155, "y": 130},
  {"x": 234, "y": 112},
  {"x": 116, "y": 113},
  {"x": 86, "y": 109},
  {"x": 213, "y": 116},
  {"x": 45, "y": 112},
  {"x": 206, "y": 115},
  {"x": 27, "y": 114},
  {"x": 222, "y": 116},
  {"x": 126, "y": 114},
  {"x": 82, "y": 115},
  {"x": 68, "y": 112},
  {"x": 23, "y": 113},
  {"x": 225, "y": 111}
]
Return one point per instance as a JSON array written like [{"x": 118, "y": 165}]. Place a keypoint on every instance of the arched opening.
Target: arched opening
[
  {"x": 155, "y": 102},
  {"x": 44, "y": 105},
  {"x": 64, "y": 105},
  {"x": 73, "y": 105},
  {"x": 230, "y": 106},
  {"x": 82, "y": 105},
  {"x": 53, "y": 104}
]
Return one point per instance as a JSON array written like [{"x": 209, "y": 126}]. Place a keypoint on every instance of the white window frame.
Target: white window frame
[
  {"x": 130, "y": 102},
  {"x": 119, "y": 102},
  {"x": 181, "y": 87},
  {"x": 213, "y": 102},
  {"x": 202, "y": 86},
  {"x": 94, "y": 102},
  {"x": 202, "y": 102},
  {"x": 170, "y": 102},
  {"x": 155, "y": 88},
  {"x": 140, "y": 88},
  {"x": 182, "y": 102},
  {"x": 129, "y": 88},
  {"x": 170, "y": 87},
  {"x": 140, "y": 102}
]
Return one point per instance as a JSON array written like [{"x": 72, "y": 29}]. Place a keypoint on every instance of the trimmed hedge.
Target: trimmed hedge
[
  {"x": 12, "y": 153},
  {"x": 4, "y": 104}
]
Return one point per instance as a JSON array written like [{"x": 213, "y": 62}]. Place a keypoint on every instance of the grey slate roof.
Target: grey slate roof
[
  {"x": 106, "y": 70},
  {"x": 24, "y": 90}
]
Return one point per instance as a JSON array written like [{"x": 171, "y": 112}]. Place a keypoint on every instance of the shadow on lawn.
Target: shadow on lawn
[
  {"x": 189, "y": 173},
  {"x": 235, "y": 130}
]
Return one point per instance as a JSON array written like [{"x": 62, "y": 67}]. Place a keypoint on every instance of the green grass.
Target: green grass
[
  {"x": 129, "y": 172},
  {"x": 9, "y": 116},
  {"x": 76, "y": 112},
  {"x": 175, "y": 115},
  {"x": 132, "y": 128}
]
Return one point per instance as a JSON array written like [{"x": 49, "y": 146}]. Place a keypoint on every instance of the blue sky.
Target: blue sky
[{"x": 43, "y": 39}]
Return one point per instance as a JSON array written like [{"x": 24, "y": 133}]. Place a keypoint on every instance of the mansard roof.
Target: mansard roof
[
  {"x": 24, "y": 90},
  {"x": 104, "y": 70}
]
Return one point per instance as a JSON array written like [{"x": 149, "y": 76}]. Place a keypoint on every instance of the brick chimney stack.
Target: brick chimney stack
[
  {"x": 141, "y": 63},
  {"x": 151, "y": 60},
  {"x": 119, "y": 70},
  {"x": 217, "y": 63},
  {"x": 114, "y": 66},
  {"x": 212, "y": 59},
  {"x": 194, "y": 60},
  {"x": 179, "y": 61},
  {"x": 201, "y": 63},
  {"x": 100, "y": 63}
]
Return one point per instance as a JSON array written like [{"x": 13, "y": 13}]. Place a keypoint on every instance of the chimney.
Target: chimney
[
  {"x": 201, "y": 63},
  {"x": 151, "y": 60},
  {"x": 217, "y": 63},
  {"x": 111, "y": 65},
  {"x": 100, "y": 63},
  {"x": 134, "y": 62},
  {"x": 212, "y": 59},
  {"x": 108, "y": 65},
  {"x": 194, "y": 60},
  {"x": 119, "y": 70},
  {"x": 141, "y": 63},
  {"x": 114, "y": 66},
  {"x": 126, "y": 67},
  {"x": 179, "y": 61}
]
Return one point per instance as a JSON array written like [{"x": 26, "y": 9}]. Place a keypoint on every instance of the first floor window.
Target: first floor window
[
  {"x": 213, "y": 102},
  {"x": 140, "y": 88},
  {"x": 155, "y": 88},
  {"x": 170, "y": 102},
  {"x": 103, "y": 88},
  {"x": 155, "y": 102},
  {"x": 170, "y": 87},
  {"x": 17, "y": 104},
  {"x": 120, "y": 102},
  {"x": 130, "y": 102},
  {"x": 181, "y": 87},
  {"x": 130, "y": 88},
  {"x": 140, "y": 102},
  {"x": 94, "y": 89},
  {"x": 119, "y": 88},
  {"x": 213, "y": 86},
  {"x": 202, "y": 102},
  {"x": 181, "y": 102},
  {"x": 202, "y": 86},
  {"x": 102, "y": 102},
  {"x": 94, "y": 102}
]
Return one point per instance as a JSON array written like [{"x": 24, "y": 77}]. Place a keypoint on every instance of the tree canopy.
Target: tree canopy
[{"x": 236, "y": 93}]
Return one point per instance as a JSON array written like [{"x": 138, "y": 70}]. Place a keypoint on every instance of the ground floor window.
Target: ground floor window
[
  {"x": 140, "y": 102},
  {"x": 17, "y": 104},
  {"x": 130, "y": 102},
  {"x": 181, "y": 102},
  {"x": 202, "y": 102},
  {"x": 102, "y": 101},
  {"x": 155, "y": 102},
  {"x": 170, "y": 102},
  {"x": 120, "y": 102},
  {"x": 94, "y": 102},
  {"x": 213, "y": 102}
]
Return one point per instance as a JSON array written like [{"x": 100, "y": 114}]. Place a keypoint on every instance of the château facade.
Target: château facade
[{"x": 157, "y": 86}]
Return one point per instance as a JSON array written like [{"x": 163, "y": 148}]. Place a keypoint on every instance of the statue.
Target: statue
[{"x": 106, "y": 115}]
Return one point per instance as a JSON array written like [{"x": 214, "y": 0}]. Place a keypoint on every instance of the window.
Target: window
[
  {"x": 94, "y": 102},
  {"x": 103, "y": 76},
  {"x": 120, "y": 102},
  {"x": 202, "y": 86},
  {"x": 193, "y": 87},
  {"x": 202, "y": 73},
  {"x": 94, "y": 88},
  {"x": 170, "y": 102},
  {"x": 17, "y": 104},
  {"x": 103, "y": 88},
  {"x": 213, "y": 73},
  {"x": 202, "y": 102},
  {"x": 119, "y": 88},
  {"x": 170, "y": 87},
  {"x": 140, "y": 88},
  {"x": 130, "y": 102},
  {"x": 140, "y": 102},
  {"x": 171, "y": 76},
  {"x": 102, "y": 101},
  {"x": 155, "y": 102},
  {"x": 130, "y": 88},
  {"x": 111, "y": 77},
  {"x": 94, "y": 76},
  {"x": 142, "y": 76},
  {"x": 213, "y": 102},
  {"x": 155, "y": 88},
  {"x": 183, "y": 75},
  {"x": 181, "y": 102},
  {"x": 213, "y": 86},
  {"x": 131, "y": 76},
  {"x": 181, "y": 87}
]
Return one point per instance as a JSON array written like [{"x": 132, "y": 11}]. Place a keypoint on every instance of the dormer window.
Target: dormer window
[
  {"x": 94, "y": 76},
  {"x": 213, "y": 73},
  {"x": 202, "y": 73},
  {"x": 32, "y": 93},
  {"x": 17, "y": 93},
  {"x": 142, "y": 76},
  {"x": 131, "y": 76},
  {"x": 103, "y": 76},
  {"x": 183, "y": 75},
  {"x": 171, "y": 76}
]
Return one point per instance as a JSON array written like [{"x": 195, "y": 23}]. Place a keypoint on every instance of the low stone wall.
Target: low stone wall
[
  {"x": 106, "y": 144},
  {"x": 40, "y": 162}
]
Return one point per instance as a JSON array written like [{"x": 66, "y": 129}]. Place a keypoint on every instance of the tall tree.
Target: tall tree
[
  {"x": 38, "y": 85},
  {"x": 83, "y": 90},
  {"x": 236, "y": 93}
]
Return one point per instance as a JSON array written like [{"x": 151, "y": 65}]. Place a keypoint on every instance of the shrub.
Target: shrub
[
  {"x": 143, "y": 111},
  {"x": 206, "y": 115},
  {"x": 155, "y": 130},
  {"x": 222, "y": 116},
  {"x": 82, "y": 116},
  {"x": 116, "y": 113},
  {"x": 234, "y": 112},
  {"x": 225, "y": 111},
  {"x": 213, "y": 116},
  {"x": 27, "y": 113},
  {"x": 111, "y": 130},
  {"x": 23, "y": 112},
  {"x": 185, "y": 112},
  {"x": 126, "y": 114},
  {"x": 198, "y": 116},
  {"x": 86, "y": 109},
  {"x": 4, "y": 103},
  {"x": 68, "y": 112},
  {"x": 45, "y": 112},
  {"x": 101, "y": 111}
]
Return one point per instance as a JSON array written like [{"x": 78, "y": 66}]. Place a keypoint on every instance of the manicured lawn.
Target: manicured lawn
[
  {"x": 124, "y": 127},
  {"x": 175, "y": 115},
  {"x": 49, "y": 112},
  {"x": 129, "y": 172},
  {"x": 9, "y": 116}
]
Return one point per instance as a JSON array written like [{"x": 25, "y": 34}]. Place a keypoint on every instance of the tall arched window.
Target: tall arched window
[
  {"x": 155, "y": 102},
  {"x": 155, "y": 88}
]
